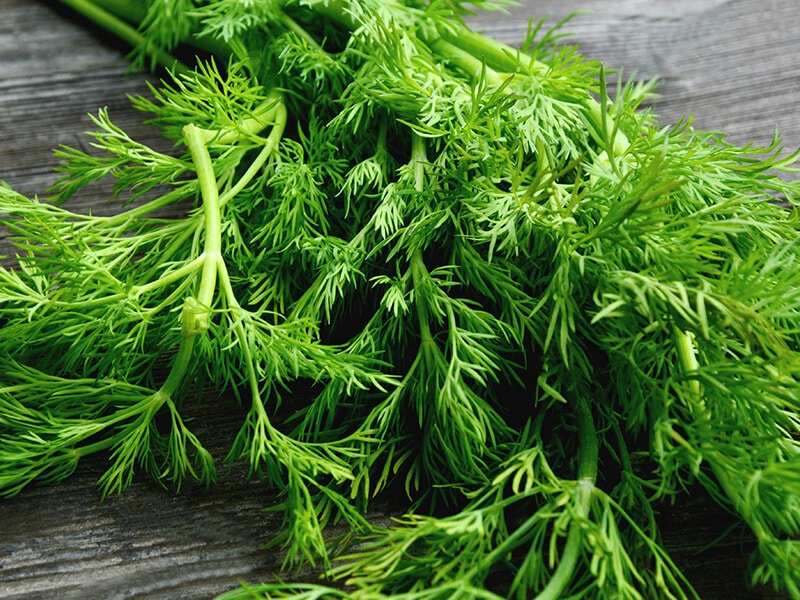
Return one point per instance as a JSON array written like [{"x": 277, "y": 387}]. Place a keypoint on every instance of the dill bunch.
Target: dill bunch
[{"x": 499, "y": 285}]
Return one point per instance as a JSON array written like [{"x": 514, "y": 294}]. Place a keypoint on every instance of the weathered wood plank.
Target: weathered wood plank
[{"x": 731, "y": 62}]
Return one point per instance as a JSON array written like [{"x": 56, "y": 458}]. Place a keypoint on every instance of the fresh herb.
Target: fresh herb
[{"x": 501, "y": 287}]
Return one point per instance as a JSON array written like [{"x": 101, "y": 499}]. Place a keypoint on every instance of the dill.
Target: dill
[{"x": 492, "y": 276}]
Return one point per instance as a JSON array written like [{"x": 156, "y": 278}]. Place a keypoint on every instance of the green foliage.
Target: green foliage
[{"x": 491, "y": 275}]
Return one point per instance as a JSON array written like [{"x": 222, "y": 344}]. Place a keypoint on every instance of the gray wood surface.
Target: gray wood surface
[{"x": 732, "y": 63}]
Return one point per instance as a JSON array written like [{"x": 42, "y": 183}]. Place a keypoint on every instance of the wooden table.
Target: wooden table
[{"x": 730, "y": 62}]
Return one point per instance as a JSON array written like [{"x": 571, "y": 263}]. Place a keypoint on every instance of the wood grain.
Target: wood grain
[{"x": 730, "y": 62}]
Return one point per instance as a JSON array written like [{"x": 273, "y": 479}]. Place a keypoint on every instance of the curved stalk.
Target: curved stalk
[
  {"x": 195, "y": 313},
  {"x": 213, "y": 227}
]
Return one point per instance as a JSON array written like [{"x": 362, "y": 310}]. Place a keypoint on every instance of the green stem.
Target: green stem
[
  {"x": 178, "y": 369},
  {"x": 588, "y": 442},
  {"x": 132, "y": 14},
  {"x": 194, "y": 314},
  {"x": 494, "y": 54},
  {"x": 214, "y": 263},
  {"x": 688, "y": 357},
  {"x": 115, "y": 25},
  {"x": 252, "y": 376},
  {"x": 299, "y": 31},
  {"x": 279, "y": 117},
  {"x": 687, "y": 354},
  {"x": 144, "y": 410},
  {"x": 137, "y": 212},
  {"x": 195, "y": 142},
  {"x": 588, "y": 456},
  {"x": 270, "y": 111},
  {"x": 132, "y": 11},
  {"x": 419, "y": 159},
  {"x": 476, "y": 68},
  {"x": 418, "y": 273},
  {"x": 171, "y": 277}
]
